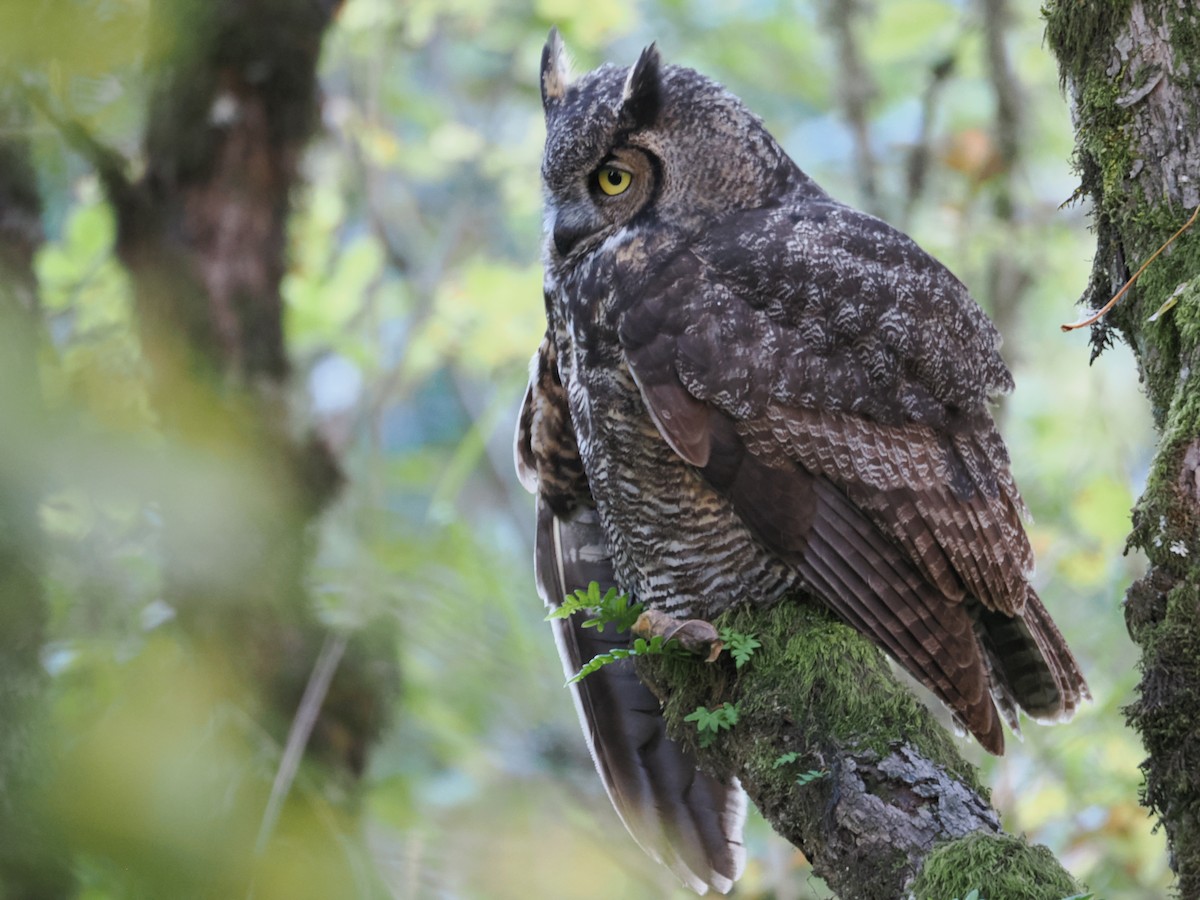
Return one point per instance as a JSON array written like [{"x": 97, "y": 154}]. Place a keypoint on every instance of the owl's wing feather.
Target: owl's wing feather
[
  {"x": 685, "y": 818},
  {"x": 847, "y": 561},
  {"x": 886, "y": 598},
  {"x": 854, "y": 370},
  {"x": 905, "y": 475},
  {"x": 681, "y": 419},
  {"x": 680, "y": 816}
]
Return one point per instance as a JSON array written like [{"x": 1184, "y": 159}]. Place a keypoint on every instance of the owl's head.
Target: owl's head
[{"x": 648, "y": 145}]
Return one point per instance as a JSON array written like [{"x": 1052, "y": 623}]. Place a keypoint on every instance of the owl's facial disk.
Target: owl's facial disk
[
  {"x": 596, "y": 179},
  {"x": 601, "y": 201},
  {"x": 692, "y": 150}
]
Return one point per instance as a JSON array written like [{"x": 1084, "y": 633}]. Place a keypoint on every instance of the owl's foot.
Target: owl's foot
[{"x": 694, "y": 635}]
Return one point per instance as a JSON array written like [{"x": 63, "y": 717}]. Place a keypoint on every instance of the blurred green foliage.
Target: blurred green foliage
[{"x": 413, "y": 303}]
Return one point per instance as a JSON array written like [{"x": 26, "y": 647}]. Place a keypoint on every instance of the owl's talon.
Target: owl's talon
[{"x": 694, "y": 635}]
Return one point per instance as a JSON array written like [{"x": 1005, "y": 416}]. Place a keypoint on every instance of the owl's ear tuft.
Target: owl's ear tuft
[
  {"x": 556, "y": 69},
  {"x": 641, "y": 98}
]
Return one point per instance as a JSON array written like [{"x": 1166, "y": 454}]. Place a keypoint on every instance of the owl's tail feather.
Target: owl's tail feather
[
  {"x": 682, "y": 817},
  {"x": 1031, "y": 665}
]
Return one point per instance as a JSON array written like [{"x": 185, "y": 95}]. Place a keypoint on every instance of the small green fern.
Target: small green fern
[
  {"x": 740, "y": 646},
  {"x": 640, "y": 647},
  {"x": 604, "y": 608},
  {"x": 803, "y": 778},
  {"x": 711, "y": 722}
]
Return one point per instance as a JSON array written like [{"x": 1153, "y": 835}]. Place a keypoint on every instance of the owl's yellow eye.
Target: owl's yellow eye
[{"x": 614, "y": 181}]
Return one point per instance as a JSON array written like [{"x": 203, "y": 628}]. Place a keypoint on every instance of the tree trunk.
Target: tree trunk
[
  {"x": 849, "y": 766},
  {"x": 1131, "y": 70},
  {"x": 203, "y": 236}
]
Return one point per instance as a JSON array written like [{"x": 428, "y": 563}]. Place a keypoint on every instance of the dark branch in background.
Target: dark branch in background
[
  {"x": 855, "y": 91},
  {"x": 1006, "y": 89},
  {"x": 235, "y": 104},
  {"x": 203, "y": 236},
  {"x": 1131, "y": 69},
  {"x": 110, "y": 165},
  {"x": 1008, "y": 277},
  {"x": 31, "y": 864},
  {"x": 894, "y": 811},
  {"x": 917, "y": 167}
]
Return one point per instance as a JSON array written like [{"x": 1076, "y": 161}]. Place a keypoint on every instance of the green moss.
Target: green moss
[
  {"x": 1185, "y": 314},
  {"x": 1101, "y": 132},
  {"x": 813, "y": 675},
  {"x": 1167, "y": 715},
  {"x": 1079, "y": 31},
  {"x": 1130, "y": 225},
  {"x": 1165, "y": 518},
  {"x": 1001, "y": 867}
]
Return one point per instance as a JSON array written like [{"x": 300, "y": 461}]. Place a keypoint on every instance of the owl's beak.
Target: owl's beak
[
  {"x": 569, "y": 228},
  {"x": 566, "y": 237}
]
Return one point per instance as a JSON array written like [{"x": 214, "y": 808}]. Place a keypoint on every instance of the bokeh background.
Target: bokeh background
[{"x": 413, "y": 305}]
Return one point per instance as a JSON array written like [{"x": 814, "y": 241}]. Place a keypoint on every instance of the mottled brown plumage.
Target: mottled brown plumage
[{"x": 749, "y": 391}]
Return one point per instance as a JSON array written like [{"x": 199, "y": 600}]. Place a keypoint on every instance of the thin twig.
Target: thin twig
[
  {"x": 856, "y": 91},
  {"x": 298, "y": 735},
  {"x": 1099, "y": 314},
  {"x": 917, "y": 167},
  {"x": 498, "y": 455},
  {"x": 110, "y": 164}
]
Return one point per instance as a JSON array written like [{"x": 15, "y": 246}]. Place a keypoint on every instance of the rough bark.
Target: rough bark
[
  {"x": 1131, "y": 69},
  {"x": 895, "y": 811}
]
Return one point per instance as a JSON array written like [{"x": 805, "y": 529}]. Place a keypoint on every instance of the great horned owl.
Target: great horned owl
[{"x": 747, "y": 392}]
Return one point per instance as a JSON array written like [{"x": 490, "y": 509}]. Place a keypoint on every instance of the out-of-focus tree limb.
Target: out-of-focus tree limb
[
  {"x": 856, "y": 91},
  {"x": 30, "y": 861},
  {"x": 203, "y": 234}
]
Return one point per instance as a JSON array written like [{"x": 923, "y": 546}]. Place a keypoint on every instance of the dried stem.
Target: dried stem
[{"x": 1103, "y": 311}]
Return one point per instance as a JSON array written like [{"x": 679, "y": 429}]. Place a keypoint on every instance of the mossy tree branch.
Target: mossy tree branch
[
  {"x": 1131, "y": 68},
  {"x": 898, "y": 811}
]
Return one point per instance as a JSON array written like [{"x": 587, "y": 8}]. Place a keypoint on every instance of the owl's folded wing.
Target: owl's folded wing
[
  {"x": 682, "y": 817},
  {"x": 838, "y": 396}
]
